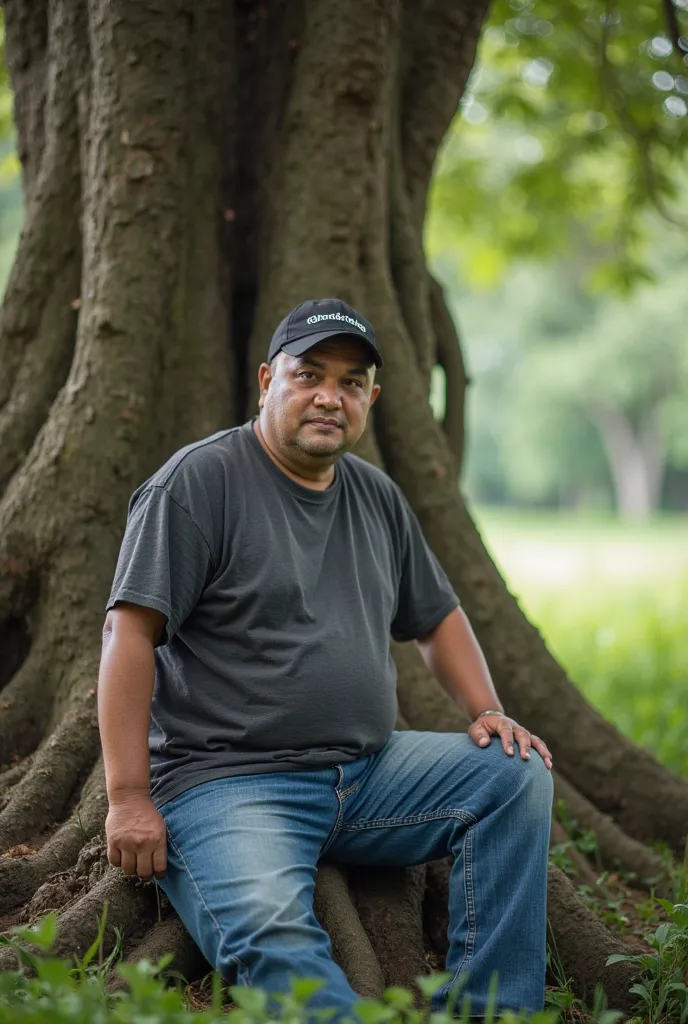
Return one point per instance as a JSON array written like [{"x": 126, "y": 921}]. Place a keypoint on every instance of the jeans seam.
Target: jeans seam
[
  {"x": 469, "y": 894},
  {"x": 349, "y": 791},
  {"x": 235, "y": 959},
  {"x": 330, "y": 839},
  {"x": 413, "y": 819}
]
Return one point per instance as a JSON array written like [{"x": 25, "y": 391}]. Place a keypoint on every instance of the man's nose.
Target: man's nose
[{"x": 328, "y": 395}]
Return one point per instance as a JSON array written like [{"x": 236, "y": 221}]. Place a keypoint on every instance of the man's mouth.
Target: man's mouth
[{"x": 326, "y": 424}]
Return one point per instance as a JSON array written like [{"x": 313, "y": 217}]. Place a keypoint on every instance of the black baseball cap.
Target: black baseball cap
[{"x": 317, "y": 319}]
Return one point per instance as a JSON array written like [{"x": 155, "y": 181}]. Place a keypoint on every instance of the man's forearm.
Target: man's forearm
[
  {"x": 125, "y": 687},
  {"x": 454, "y": 657}
]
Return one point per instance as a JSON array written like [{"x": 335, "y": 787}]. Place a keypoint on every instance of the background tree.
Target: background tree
[{"x": 191, "y": 171}]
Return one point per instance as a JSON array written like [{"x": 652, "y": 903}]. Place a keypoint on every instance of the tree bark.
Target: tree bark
[{"x": 192, "y": 171}]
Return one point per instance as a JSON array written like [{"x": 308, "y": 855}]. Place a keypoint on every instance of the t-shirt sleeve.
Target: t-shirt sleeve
[
  {"x": 164, "y": 561},
  {"x": 426, "y": 596}
]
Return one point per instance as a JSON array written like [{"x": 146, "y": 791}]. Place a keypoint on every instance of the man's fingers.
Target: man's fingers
[
  {"x": 160, "y": 859},
  {"x": 128, "y": 864},
  {"x": 114, "y": 855},
  {"x": 479, "y": 734},
  {"x": 506, "y": 734},
  {"x": 542, "y": 750},
  {"x": 144, "y": 864},
  {"x": 523, "y": 738}
]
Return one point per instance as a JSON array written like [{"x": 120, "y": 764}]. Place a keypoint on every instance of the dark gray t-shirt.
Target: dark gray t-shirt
[{"x": 280, "y": 601}]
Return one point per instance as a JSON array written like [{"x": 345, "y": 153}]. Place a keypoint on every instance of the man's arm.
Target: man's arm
[
  {"x": 135, "y": 830},
  {"x": 454, "y": 657}
]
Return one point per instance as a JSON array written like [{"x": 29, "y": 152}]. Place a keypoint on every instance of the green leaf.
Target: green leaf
[
  {"x": 41, "y": 934},
  {"x": 662, "y": 934},
  {"x": 618, "y": 958},
  {"x": 641, "y": 990},
  {"x": 254, "y": 1000},
  {"x": 371, "y": 1011},
  {"x": 429, "y": 984},
  {"x": 303, "y": 988},
  {"x": 96, "y": 944},
  {"x": 399, "y": 998},
  {"x": 679, "y": 915}
]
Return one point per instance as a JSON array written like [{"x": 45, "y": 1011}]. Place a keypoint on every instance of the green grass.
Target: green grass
[{"x": 611, "y": 601}]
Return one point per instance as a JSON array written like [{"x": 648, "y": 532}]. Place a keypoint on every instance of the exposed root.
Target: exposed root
[
  {"x": 10, "y": 777},
  {"x": 25, "y": 706},
  {"x": 436, "y": 904},
  {"x": 450, "y": 358},
  {"x": 20, "y": 877},
  {"x": 390, "y": 906},
  {"x": 617, "y": 850},
  {"x": 43, "y": 792},
  {"x": 583, "y": 943},
  {"x": 131, "y": 911},
  {"x": 351, "y": 946},
  {"x": 167, "y": 936}
]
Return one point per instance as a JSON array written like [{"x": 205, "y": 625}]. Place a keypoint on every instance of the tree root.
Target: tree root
[
  {"x": 25, "y": 706},
  {"x": 422, "y": 701},
  {"x": 41, "y": 795},
  {"x": 616, "y": 849},
  {"x": 10, "y": 777},
  {"x": 20, "y": 877},
  {"x": 132, "y": 908},
  {"x": 351, "y": 946},
  {"x": 167, "y": 936},
  {"x": 390, "y": 906},
  {"x": 583, "y": 943}
]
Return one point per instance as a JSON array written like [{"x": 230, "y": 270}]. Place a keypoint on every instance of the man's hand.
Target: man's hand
[
  {"x": 508, "y": 731},
  {"x": 136, "y": 836}
]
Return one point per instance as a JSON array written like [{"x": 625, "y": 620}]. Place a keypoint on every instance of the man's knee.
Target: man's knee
[{"x": 527, "y": 781}]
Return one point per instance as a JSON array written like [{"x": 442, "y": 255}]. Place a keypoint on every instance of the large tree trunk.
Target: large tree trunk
[{"x": 192, "y": 170}]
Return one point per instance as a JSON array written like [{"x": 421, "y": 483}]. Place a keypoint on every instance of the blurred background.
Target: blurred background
[{"x": 558, "y": 226}]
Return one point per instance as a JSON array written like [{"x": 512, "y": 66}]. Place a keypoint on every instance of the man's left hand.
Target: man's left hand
[{"x": 509, "y": 732}]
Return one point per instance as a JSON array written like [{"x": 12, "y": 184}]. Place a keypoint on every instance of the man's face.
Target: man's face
[{"x": 316, "y": 405}]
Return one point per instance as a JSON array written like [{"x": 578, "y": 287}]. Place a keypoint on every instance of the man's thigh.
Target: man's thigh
[
  {"x": 242, "y": 855},
  {"x": 424, "y": 789}
]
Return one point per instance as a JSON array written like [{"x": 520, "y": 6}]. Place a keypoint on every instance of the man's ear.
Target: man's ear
[
  {"x": 374, "y": 393},
  {"x": 264, "y": 378}
]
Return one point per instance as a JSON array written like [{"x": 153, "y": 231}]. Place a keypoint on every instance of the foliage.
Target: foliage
[
  {"x": 62, "y": 994},
  {"x": 612, "y": 605},
  {"x": 574, "y": 124},
  {"x": 662, "y": 992}
]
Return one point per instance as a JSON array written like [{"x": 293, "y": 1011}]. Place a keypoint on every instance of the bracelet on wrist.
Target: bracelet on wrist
[{"x": 488, "y": 711}]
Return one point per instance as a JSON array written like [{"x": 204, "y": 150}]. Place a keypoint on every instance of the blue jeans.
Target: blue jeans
[{"x": 242, "y": 856}]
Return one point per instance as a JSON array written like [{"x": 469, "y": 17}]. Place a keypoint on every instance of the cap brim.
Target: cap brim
[{"x": 301, "y": 345}]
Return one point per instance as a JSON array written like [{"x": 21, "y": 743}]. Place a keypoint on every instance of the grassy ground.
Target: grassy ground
[{"x": 612, "y": 603}]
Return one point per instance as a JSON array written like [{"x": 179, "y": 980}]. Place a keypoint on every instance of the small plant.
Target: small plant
[
  {"x": 65, "y": 992},
  {"x": 662, "y": 991}
]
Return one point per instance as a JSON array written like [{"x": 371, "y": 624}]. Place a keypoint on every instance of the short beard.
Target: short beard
[{"x": 300, "y": 446}]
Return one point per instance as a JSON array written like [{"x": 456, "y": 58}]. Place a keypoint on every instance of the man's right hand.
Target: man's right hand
[{"x": 136, "y": 836}]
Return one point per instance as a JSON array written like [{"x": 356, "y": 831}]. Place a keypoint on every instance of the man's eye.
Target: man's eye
[
  {"x": 356, "y": 382},
  {"x": 305, "y": 373}
]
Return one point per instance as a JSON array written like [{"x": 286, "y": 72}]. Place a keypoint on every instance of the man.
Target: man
[{"x": 262, "y": 572}]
